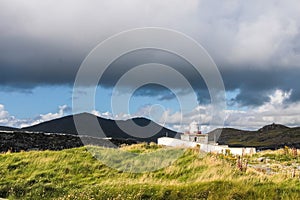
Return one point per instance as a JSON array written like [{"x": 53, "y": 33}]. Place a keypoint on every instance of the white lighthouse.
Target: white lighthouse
[
  {"x": 194, "y": 128},
  {"x": 194, "y": 134}
]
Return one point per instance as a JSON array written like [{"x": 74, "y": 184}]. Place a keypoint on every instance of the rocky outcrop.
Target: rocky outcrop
[
  {"x": 16, "y": 141},
  {"x": 271, "y": 127}
]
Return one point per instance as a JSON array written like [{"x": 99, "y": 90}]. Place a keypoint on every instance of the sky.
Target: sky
[{"x": 255, "y": 45}]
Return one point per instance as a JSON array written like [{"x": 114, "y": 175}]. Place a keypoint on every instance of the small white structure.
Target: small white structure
[
  {"x": 194, "y": 134},
  {"x": 172, "y": 142},
  {"x": 194, "y": 128},
  {"x": 214, "y": 148},
  {"x": 195, "y": 138}
]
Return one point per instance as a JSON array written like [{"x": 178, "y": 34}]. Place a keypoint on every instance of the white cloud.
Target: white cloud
[
  {"x": 259, "y": 40},
  {"x": 279, "y": 97},
  {"x": 108, "y": 115},
  {"x": 48, "y": 116},
  {"x": 99, "y": 114},
  {"x": 234, "y": 31},
  {"x": 276, "y": 110},
  {"x": 3, "y": 113},
  {"x": 8, "y": 120}
]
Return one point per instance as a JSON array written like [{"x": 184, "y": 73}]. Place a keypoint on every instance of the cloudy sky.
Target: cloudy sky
[{"x": 255, "y": 45}]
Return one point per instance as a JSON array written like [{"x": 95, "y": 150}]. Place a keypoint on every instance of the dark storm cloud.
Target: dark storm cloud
[
  {"x": 43, "y": 64},
  {"x": 255, "y": 86},
  {"x": 27, "y": 63},
  {"x": 136, "y": 58},
  {"x": 152, "y": 90},
  {"x": 255, "y": 44}
]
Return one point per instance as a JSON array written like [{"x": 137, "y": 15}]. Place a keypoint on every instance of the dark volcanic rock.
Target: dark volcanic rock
[{"x": 18, "y": 141}]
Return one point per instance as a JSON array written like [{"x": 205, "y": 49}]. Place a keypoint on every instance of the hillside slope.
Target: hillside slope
[
  {"x": 271, "y": 136},
  {"x": 110, "y": 128},
  {"x": 6, "y": 128}
]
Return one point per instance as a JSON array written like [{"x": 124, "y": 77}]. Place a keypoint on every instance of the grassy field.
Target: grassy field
[{"x": 76, "y": 174}]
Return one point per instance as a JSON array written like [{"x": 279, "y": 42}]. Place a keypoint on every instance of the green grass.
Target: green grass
[{"x": 76, "y": 174}]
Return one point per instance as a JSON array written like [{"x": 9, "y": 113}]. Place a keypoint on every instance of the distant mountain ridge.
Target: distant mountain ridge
[
  {"x": 273, "y": 126},
  {"x": 272, "y": 136},
  {"x": 109, "y": 127},
  {"x": 6, "y": 128}
]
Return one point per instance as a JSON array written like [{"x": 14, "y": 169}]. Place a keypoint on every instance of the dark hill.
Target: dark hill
[
  {"x": 272, "y": 127},
  {"x": 6, "y": 128},
  {"x": 144, "y": 130},
  {"x": 271, "y": 136}
]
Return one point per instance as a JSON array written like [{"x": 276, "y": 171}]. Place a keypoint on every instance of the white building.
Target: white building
[
  {"x": 194, "y": 128},
  {"x": 194, "y": 138},
  {"x": 194, "y": 134}
]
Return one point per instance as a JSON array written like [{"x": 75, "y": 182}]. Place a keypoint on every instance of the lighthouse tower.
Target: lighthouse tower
[
  {"x": 194, "y": 128},
  {"x": 194, "y": 134}
]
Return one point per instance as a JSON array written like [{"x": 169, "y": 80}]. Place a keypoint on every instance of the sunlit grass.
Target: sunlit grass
[{"x": 76, "y": 174}]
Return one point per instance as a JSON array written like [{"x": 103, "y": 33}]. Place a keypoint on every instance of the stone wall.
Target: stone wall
[
  {"x": 16, "y": 141},
  {"x": 167, "y": 141}
]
